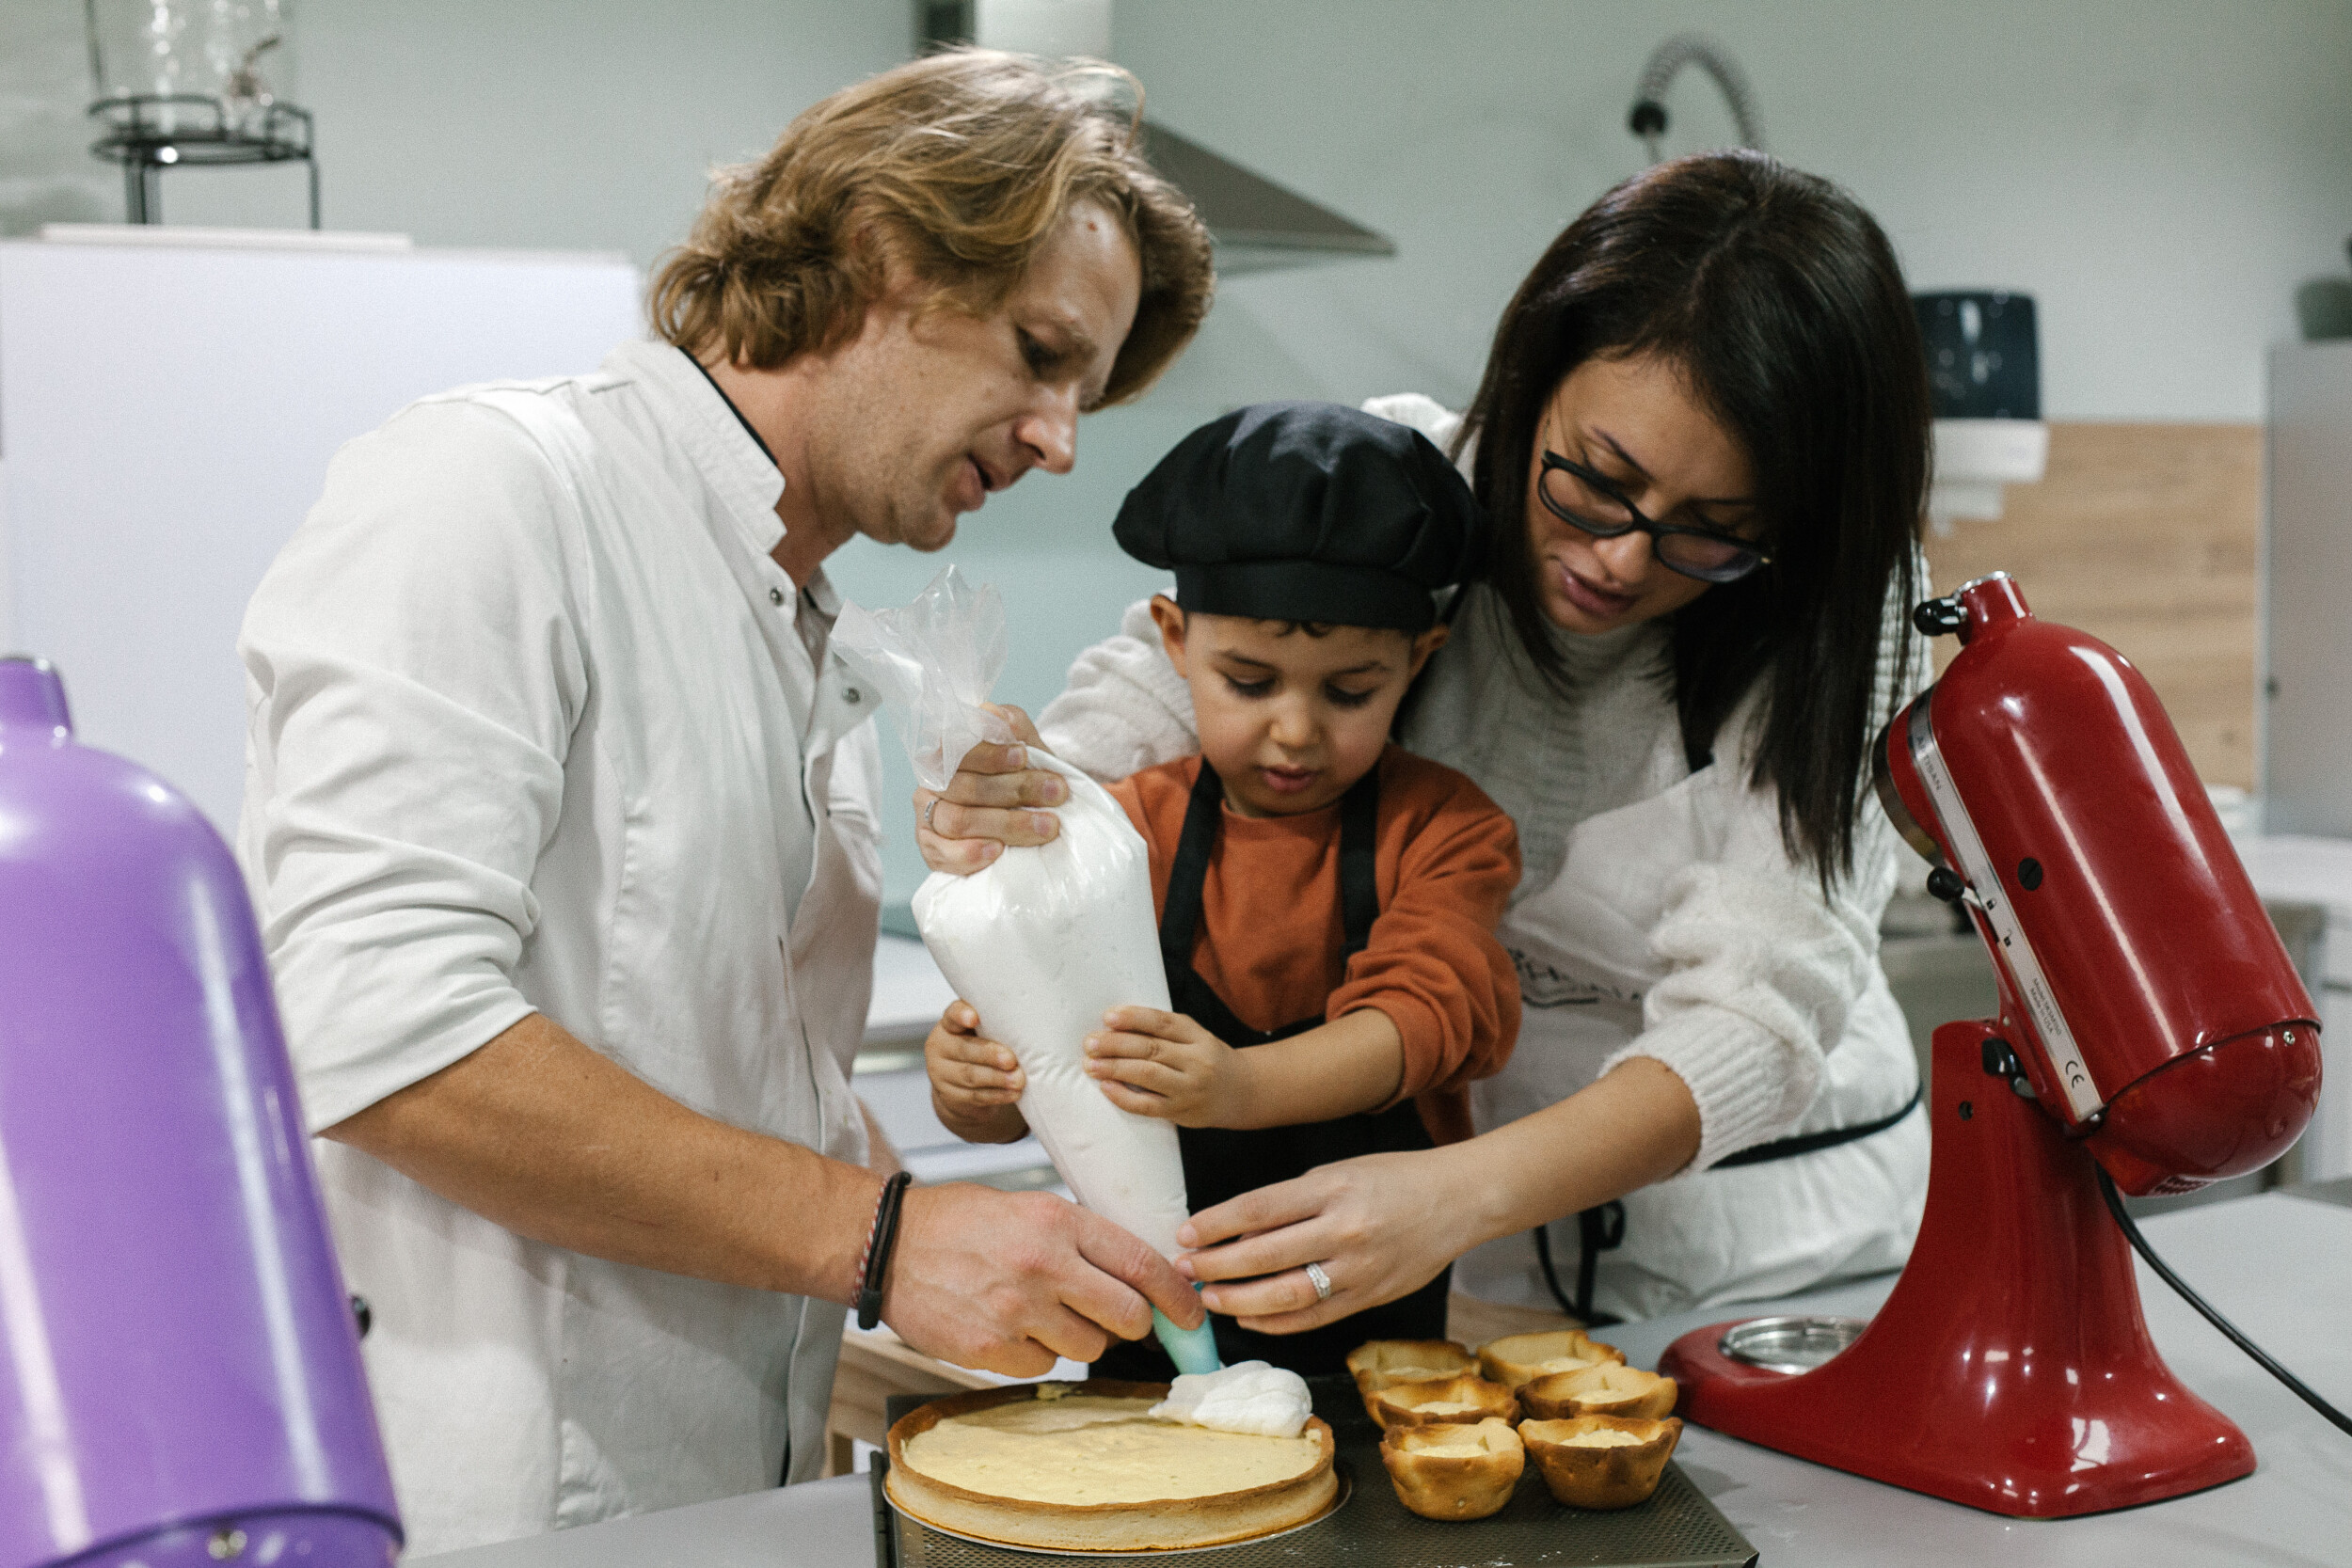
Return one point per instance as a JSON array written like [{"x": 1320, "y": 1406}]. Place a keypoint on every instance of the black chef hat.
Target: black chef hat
[{"x": 1306, "y": 511}]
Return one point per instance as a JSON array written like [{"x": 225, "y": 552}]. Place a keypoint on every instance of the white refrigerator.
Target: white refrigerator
[
  {"x": 168, "y": 402},
  {"x": 2304, "y": 716}
]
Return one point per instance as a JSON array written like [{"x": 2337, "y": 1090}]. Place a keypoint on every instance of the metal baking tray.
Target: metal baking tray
[{"x": 1676, "y": 1529}]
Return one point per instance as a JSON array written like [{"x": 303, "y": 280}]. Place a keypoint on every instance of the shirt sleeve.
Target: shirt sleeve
[
  {"x": 413, "y": 675},
  {"x": 1124, "y": 707},
  {"x": 1433, "y": 963},
  {"x": 1768, "y": 966}
]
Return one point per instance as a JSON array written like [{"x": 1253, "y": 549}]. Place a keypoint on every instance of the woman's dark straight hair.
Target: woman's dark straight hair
[{"x": 1780, "y": 301}]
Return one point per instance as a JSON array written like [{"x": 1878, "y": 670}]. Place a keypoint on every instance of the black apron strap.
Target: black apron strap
[
  {"x": 1179, "y": 918},
  {"x": 1601, "y": 1229},
  {"x": 1808, "y": 1143}
]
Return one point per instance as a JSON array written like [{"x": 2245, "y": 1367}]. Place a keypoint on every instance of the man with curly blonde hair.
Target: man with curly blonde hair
[{"x": 561, "y": 815}]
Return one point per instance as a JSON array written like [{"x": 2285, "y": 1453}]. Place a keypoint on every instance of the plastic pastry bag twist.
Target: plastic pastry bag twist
[{"x": 1043, "y": 940}]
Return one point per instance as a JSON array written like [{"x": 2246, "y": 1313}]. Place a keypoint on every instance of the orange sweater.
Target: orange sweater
[{"x": 1446, "y": 859}]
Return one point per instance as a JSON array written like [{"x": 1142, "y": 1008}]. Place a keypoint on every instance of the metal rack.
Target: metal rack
[{"x": 150, "y": 133}]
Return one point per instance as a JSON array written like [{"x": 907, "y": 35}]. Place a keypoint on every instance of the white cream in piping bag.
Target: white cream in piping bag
[
  {"x": 1041, "y": 941},
  {"x": 1249, "y": 1397}
]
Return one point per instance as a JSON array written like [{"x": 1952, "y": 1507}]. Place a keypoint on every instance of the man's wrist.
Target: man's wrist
[
  {"x": 880, "y": 1243},
  {"x": 834, "y": 1272}
]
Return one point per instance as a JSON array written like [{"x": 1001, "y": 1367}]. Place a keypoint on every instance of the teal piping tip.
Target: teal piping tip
[{"x": 1193, "y": 1349}]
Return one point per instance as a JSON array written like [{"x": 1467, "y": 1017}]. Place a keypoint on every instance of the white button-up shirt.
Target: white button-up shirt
[{"x": 532, "y": 729}]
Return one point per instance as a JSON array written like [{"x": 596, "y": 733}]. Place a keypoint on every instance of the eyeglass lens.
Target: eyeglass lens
[{"x": 1605, "y": 516}]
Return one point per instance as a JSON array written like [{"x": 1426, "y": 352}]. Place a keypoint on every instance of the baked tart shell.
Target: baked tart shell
[
  {"x": 1401, "y": 1404},
  {"x": 1610, "y": 1389},
  {"x": 1453, "y": 1486},
  {"x": 1172, "y": 1524},
  {"x": 1379, "y": 1363},
  {"x": 1615, "y": 1477},
  {"x": 1519, "y": 1358}
]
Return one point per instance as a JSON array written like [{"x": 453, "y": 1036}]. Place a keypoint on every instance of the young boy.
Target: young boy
[{"x": 1327, "y": 900}]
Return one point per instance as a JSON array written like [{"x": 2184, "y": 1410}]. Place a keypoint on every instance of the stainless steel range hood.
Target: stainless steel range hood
[{"x": 1258, "y": 225}]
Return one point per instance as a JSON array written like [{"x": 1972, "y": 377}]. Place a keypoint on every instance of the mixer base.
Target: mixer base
[{"x": 2010, "y": 1368}]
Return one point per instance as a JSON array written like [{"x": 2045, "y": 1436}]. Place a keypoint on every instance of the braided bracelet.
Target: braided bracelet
[{"x": 874, "y": 1267}]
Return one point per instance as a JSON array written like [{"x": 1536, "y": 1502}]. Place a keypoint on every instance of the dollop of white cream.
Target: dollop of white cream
[{"x": 1250, "y": 1397}]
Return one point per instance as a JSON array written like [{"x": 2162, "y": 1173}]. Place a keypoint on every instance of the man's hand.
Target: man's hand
[
  {"x": 1008, "y": 1282},
  {"x": 983, "y": 808},
  {"x": 1164, "y": 1065},
  {"x": 975, "y": 1082}
]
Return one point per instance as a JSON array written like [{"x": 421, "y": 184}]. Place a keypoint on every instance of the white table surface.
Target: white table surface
[{"x": 2281, "y": 1267}]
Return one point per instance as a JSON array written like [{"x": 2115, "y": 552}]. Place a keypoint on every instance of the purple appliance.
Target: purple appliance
[{"x": 179, "y": 1377}]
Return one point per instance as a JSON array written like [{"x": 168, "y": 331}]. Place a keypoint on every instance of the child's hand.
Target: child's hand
[
  {"x": 975, "y": 1082},
  {"x": 1164, "y": 1065}
]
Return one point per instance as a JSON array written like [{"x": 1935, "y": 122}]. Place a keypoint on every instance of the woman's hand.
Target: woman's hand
[
  {"x": 1164, "y": 1065},
  {"x": 975, "y": 1082},
  {"x": 983, "y": 808},
  {"x": 1380, "y": 1226}
]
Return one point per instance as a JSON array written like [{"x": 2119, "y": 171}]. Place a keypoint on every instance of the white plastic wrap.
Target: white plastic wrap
[
  {"x": 1044, "y": 940},
  {"x": 936, "y": 662}
]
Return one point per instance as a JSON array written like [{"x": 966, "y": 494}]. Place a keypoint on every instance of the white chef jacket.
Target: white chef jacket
[{"x": 531, "y": 729}]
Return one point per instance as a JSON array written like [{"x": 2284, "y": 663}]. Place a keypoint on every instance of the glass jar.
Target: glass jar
[{"x": 208, "y": 68}]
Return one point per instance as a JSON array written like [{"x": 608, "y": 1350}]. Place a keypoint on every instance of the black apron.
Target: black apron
[{"x": 1221, "y": 1162}]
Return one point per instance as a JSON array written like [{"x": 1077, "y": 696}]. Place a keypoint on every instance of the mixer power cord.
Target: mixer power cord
[{"x": 2229, "y": 1329}]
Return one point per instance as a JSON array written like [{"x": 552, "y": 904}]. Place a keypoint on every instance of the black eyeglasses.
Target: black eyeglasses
[{"x": 1582, "y": 499}]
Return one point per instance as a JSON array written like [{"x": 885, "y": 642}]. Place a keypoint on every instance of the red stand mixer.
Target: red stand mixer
[{"x": 2150, "y": 1022}]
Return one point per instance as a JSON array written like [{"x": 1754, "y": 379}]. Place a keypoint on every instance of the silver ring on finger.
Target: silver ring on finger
[
  {"x": 1321, "y": 1282},
  {"x": 930, "y": 806}
]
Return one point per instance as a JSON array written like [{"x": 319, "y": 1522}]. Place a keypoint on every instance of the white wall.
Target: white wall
[
  {"x": 2159, "y": 173},
  {"x": 567, "y": 124}
]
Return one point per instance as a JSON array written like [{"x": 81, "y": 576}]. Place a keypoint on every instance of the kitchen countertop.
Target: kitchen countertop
[{"x": 2279, "y": 1265}]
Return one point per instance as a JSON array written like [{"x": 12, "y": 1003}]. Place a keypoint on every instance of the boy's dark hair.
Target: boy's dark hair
[{"x": 1781, "y": 300}]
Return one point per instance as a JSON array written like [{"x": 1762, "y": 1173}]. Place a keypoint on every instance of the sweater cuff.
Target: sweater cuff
[
  {"x": 1421, "y": 1033},
  {"x": 1713, "y": 1052}
]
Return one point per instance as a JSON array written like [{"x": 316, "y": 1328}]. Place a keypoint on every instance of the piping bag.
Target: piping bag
[{"x": 1042, "y": 941}]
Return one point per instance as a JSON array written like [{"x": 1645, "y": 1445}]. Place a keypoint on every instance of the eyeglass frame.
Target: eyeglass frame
[{"x": 1636, "y": 520}]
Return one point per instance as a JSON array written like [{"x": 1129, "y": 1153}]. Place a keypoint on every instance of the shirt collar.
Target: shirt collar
[{"x": 732, "y": 460}]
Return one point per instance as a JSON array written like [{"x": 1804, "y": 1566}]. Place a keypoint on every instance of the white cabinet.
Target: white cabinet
[
  {"x": 2306, "y": 724},
  {"x": 2319, "y": 871}
]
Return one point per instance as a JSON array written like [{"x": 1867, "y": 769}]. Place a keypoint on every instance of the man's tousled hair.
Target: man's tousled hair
[{"x": 958, "y": 167}]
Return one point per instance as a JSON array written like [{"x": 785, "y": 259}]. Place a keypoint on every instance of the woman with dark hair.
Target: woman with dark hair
[{"x": 1706, "y": 410}]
